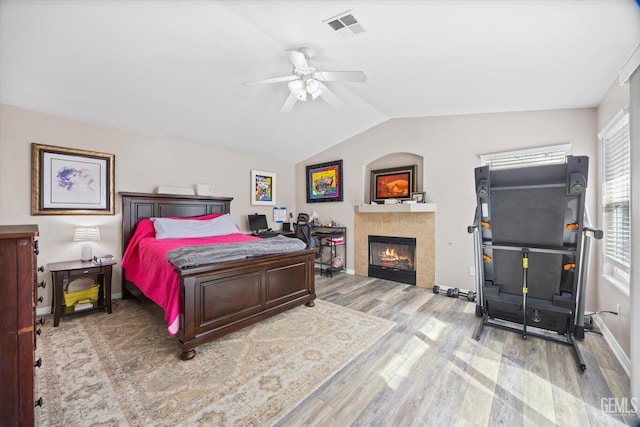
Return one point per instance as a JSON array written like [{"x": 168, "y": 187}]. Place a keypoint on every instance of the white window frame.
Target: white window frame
[
  {"x": 615, "y": 268},
  {"x": 550, "y": 154}
]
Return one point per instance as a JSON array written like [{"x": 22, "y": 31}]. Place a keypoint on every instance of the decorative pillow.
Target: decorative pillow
[{"x": 170, "y": 228}]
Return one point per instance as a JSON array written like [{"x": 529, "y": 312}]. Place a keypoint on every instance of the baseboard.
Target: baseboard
[{"x": 615, "y": 347}]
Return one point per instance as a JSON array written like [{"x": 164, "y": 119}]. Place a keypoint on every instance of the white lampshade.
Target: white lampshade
[{"x": 86, "y": 235}]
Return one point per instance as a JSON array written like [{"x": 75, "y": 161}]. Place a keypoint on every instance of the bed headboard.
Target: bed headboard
[{"x": 138, "y": 206}]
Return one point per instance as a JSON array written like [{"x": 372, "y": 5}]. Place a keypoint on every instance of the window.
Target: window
[
  {"x": 529, "y": 157},
  {"x": 616, "y": 182}
]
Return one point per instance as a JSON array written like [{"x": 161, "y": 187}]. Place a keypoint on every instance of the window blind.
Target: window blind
[
  {"x": 616, "y": 193},
  {"x": 529, "y": 157}
]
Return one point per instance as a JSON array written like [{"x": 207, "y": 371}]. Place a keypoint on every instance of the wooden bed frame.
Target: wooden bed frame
[{"x": 221, "y": 298}]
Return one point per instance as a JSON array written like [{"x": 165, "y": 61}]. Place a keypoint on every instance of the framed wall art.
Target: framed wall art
[
  {"x": 393, "y": 183},
  {"x": 263, "y": 188},
  {"x": 68, "y": 181},
  {"x": 324, "y": 182},
  {"x": 419, "y": 197}
]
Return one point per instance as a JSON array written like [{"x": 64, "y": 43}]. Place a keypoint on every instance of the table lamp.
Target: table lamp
[{"x": 87, "y": 235}]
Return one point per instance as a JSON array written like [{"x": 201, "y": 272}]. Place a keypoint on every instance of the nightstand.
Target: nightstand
[{"x": 63, "y": 273}]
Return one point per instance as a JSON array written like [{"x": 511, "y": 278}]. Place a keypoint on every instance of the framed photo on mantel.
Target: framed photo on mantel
[
  {"x": 393, "y": 183},
  {"x": 420, "y": 197}
]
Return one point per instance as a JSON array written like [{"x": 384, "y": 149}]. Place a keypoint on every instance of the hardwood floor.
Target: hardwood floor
[{"x": 429, "y": 370}]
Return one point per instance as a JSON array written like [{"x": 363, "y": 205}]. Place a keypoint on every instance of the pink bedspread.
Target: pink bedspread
[{"x": 145, "y": 264}]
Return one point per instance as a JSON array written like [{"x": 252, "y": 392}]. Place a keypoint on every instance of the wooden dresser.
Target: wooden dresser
[{"x": 18, "y": 251}]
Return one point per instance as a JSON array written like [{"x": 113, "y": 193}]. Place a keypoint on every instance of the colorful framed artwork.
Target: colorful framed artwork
[
  {"x": 324, "y": 182},
  {"x": 68, "y": 181},
  {"x": 393, "y": 183},
  {"x": 419, "y": 197},
  {"x": 263, "y": 188}
]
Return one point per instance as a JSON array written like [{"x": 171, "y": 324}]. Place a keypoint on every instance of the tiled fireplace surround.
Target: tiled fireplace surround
[{"x": 416, "y": 221}]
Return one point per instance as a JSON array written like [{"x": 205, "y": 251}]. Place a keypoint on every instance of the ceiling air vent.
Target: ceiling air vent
[{"x": 345, "y": 24}]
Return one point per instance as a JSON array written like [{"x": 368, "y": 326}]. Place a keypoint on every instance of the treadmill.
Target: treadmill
[{"x": 532, "y": 248}]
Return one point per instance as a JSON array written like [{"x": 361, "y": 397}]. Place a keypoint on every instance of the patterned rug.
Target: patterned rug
[{"x": 123, "y": 368}]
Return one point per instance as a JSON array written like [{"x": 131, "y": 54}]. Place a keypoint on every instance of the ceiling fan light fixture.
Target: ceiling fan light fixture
[
  {"x": 297, "y": 89},
  {"x": 307, "y": 81},
  {"x": 312, "y": 86}
]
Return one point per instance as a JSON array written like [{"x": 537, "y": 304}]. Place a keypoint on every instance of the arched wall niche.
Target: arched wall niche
[{"x": 391, "y": 161}]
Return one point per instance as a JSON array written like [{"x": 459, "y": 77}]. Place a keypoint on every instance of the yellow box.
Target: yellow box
[{"x": 88, "y": 295}]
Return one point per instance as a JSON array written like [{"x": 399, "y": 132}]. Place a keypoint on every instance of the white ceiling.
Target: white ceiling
[{"x": 176, "y": 68}]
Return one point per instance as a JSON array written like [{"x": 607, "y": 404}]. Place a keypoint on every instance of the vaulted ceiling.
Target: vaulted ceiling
[{"x": 176, "y": 68}]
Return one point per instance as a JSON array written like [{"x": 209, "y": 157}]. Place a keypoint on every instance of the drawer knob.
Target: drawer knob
[
  {"x": 41, "y": 268},
  {"x": 40, "y": 321},
  {"x": 40, "y": 402},
  {"x": 38, "y": 363},
  {"x": 42, "y": 284},
  {"x": 40, "y": 299},
  {"x": 38, "y": 331}
]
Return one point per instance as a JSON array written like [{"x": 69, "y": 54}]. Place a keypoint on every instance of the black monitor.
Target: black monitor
[{"x": 257, "y": 223}]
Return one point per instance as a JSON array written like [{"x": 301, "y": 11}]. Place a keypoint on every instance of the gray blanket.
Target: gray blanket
[{"x": 192, "y": 256}]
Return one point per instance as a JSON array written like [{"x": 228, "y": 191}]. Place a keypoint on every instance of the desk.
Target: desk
[
  {"x": 332, "y": 243},
  {"x": 64, "y": 272}
]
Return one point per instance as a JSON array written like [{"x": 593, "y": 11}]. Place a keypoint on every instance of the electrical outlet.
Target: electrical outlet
[
  {"x": 618, "y": 309},
  {"x": 472, "y": 271}
]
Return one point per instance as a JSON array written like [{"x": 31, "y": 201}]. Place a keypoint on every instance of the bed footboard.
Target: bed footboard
[{"x": 225, "y": 297}]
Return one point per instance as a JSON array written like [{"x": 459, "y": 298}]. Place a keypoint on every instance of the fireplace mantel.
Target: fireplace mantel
[{"x": 404, "y": 207}]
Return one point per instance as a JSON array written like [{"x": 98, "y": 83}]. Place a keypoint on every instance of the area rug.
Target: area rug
[{"x": 123, "y": 369}]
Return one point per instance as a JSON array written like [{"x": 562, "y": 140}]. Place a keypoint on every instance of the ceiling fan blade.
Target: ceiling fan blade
[
  {"x": 298, "y": 60},
  {"x": 329, "y": 97},
  {"x": 272, "y": 80},
  {"x": 316, "y": 94},
  {"x": 340, "y": 76},
  {"x": 288, "y": 104}
]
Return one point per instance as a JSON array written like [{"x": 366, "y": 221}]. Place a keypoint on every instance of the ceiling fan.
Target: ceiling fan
[{"x": 307, "y": 81}]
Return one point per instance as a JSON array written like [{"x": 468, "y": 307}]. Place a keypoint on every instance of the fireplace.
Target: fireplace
[{"x": 392, "y": 258}]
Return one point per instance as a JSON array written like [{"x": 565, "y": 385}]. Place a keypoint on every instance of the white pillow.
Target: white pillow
[{"x": 169, "y": 228}]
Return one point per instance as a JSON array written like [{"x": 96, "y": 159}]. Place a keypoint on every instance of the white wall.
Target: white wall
[
  {"x": 141, "y": 163},
  {"x": 450, "y": 148}
]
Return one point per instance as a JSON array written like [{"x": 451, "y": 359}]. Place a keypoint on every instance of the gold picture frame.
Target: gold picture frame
[{"x": 68, "y": 181}]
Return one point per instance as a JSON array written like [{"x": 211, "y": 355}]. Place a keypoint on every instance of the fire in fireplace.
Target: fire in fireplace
[{"x": 392, "y": 258}]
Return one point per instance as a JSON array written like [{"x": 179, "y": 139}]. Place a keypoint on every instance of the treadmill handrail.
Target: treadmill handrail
[{"x": 519, "y": 248}]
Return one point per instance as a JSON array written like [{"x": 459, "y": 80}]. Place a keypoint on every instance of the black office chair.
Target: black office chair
[{"x": 303, "y": 231}]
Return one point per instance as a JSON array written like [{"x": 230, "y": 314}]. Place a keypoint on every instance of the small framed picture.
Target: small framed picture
[
  {"x": 419, "y": 197},
  {"x": 263, "y": 188}
]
